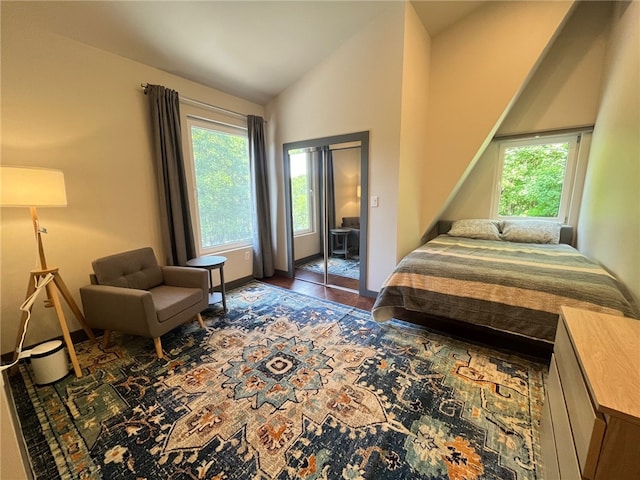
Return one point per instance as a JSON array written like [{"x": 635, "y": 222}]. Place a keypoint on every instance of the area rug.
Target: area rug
[
  {"x": 343, "y": 267},
  {"x": 285, "y": 386}
]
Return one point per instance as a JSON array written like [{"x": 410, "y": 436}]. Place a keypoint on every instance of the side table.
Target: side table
[
  {"x": 339, "y": 241},
  {"x": 212, "y": 262}
]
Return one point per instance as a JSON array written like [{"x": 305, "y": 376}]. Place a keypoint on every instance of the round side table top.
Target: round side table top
[
  {"x": 207, "y": 261},
  {"x": 337, "y": 231}
]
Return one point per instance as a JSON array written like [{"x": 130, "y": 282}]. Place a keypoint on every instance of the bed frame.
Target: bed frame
[{"x": 536, "y": 350}]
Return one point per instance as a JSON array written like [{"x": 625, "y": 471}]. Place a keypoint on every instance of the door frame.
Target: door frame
[{"x": 363, "y": 138}]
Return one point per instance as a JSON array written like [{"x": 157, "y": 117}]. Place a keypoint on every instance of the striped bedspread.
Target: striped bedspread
[{"x": 512, "y": 287}]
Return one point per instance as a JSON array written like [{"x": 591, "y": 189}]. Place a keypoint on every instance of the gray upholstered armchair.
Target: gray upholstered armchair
[{"x": 131, "y": 293}]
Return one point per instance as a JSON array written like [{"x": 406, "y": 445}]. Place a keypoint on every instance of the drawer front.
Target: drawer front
[
  {"x": 548, "y": 443},
  {"x": 566, "y": 466},
  {"x": 587, "y": 426}
]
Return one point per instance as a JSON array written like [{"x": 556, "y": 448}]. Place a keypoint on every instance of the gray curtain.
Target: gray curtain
[
  {"x": 317, "y": 162},
  {"x": 323, "y": 159},
  {"x": 175, "y": 219},
  {"x": 331, "y": 190},
  {"x": 262, "y": 246}
]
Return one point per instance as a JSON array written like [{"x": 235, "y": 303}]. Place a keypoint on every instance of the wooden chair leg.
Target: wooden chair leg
[
  {"x": 105, "y": 338},
  {"x": 158, "y": 344},
  {"x": 200, "y": 321}
]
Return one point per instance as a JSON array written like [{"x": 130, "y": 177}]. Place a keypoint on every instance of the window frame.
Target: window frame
[
  {"x": 194, "y": 207},
  {"x": 311, "y": 198},
  {"x": 567, "y": 193}
]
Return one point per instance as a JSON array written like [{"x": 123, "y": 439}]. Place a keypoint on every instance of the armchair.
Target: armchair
[{"x": 131, "y": 293}]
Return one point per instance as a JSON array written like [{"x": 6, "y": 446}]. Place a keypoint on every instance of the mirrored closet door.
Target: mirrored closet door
[{"x": 326, "y": 183}]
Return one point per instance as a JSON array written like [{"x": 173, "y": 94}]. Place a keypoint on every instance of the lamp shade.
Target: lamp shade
[{"x": 32, "y": 187}]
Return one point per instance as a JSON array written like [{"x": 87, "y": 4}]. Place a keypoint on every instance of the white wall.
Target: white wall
[
  {"x": 413, "y": 141},
  {"x": 69, "y": 106},
  {"x": 609, "y": 227},
  {"x": 562, "y": 93},
  {"x": 565, "y": 89},
  {"x": 346, "y": 168},
  {"x": 478, "y": 68},
  {"x": 357, "y": 89}
]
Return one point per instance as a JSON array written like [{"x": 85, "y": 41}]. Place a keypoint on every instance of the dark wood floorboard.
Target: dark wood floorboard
[
  {"x": 320, "y": 291},
  {"x": 333, "y": 279}
]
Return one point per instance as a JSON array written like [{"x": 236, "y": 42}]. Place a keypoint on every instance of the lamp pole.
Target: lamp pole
[{"x": 38, "y": 233}]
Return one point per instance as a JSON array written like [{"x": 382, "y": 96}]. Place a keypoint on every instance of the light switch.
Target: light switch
[{"x": 374, "y": 201}]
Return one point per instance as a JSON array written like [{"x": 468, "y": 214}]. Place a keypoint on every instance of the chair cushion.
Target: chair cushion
[
  {"x": 134, "y": 269},
  {"x": 170, "y": 301}
]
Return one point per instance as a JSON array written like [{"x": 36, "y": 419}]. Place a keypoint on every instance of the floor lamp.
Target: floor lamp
[{"x": 39, "y": 187}]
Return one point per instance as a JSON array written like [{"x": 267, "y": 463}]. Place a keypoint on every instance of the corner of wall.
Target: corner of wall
[
  {"x": 413, "y": 144},
  {"x": 609, "y": 225}
]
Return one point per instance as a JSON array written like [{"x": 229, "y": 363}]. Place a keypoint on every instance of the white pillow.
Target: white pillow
[
  {"x": 483, "y": 229},
  {"x": 531, "y": 231}
]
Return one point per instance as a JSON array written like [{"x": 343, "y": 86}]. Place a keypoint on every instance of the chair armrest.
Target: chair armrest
[
  {"x": 186, "y": 277},
  {"x": 118, "y": 308}
]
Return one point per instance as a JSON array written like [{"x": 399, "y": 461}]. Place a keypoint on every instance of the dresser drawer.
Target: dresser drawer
[
  {"x": 548, "y": 442},
  {"x": 587, "y": 426},
  {"x": 559, "y": 453}
]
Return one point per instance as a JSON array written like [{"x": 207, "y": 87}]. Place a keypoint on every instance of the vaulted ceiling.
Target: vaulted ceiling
[{"x": 251, "y": 49}]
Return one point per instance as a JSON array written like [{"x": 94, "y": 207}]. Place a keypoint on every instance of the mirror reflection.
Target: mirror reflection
[{"x": 325, "y": 185}]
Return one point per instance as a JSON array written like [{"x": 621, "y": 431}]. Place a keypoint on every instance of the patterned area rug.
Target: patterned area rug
[
  {"x": 349, "y": 267},
  {"x": 286, "y": 386}
]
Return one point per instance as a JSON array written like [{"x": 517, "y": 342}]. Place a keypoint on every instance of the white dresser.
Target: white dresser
[{"x": 591, "y": 418}]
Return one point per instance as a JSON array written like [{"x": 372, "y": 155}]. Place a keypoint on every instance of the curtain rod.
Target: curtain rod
[{"x": 203, "y": 104}]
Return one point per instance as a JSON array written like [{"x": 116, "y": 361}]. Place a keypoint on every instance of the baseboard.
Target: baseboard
[
  {"x": 237, "y": 283},
  {"x": 369, "y": 293}
]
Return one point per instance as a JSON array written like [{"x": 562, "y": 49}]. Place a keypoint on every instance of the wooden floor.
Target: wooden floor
[{"x": 319, "y": 291}]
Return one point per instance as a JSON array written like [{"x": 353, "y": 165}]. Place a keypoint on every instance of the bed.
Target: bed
[{"x": 502, "y": 281}]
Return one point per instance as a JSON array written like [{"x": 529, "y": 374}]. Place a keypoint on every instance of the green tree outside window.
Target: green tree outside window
[
  {"x": 223, "y": 186},
  {"x": 532, "y": 180},
  {"x": 300, "y": 191}
]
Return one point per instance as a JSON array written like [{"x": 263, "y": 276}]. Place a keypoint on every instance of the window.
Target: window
[
  {"x": 535, "y": 177},
  {"x": 221, "y": 188},
  {"x": 301, "y": 192}
]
